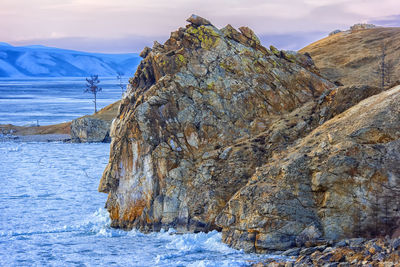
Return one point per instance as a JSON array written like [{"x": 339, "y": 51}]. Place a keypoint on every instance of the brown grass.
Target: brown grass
[{"x": 352, "y": 57}]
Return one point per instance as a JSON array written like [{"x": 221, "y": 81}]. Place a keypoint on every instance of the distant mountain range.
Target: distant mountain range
[{"x": 42, "y": 61}]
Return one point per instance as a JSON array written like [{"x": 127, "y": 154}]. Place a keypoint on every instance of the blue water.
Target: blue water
[
  {"x": 52, "y": 100},
  {"x": 52, "y": 215}
]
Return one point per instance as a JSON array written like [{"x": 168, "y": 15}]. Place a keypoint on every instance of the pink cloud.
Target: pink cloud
[{"x": 146, "y": 20}]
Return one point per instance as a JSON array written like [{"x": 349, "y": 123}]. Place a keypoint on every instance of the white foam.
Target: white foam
[
  {"x": 51, "y": 203},
  {"x": 15, "y": 149},
  {"x": 195, "y": 242}
]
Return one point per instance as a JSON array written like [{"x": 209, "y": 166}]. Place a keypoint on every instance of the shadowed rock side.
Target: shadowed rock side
[
  {"x": 203, "y": 111},
  {"x": 342, "y": 180}
]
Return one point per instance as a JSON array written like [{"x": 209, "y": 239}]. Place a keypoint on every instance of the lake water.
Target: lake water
[
  {"x": 50, "y": 211},
  {"x": 52, "y": 100},
  {"x": 52, "y": 215}
]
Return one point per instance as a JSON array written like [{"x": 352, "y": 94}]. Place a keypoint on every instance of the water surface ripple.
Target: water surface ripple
[{"x": 52, "y": 215}]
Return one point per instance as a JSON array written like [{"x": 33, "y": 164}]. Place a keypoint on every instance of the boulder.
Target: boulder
[
  {"x": 197, "y": 20},
  {"x": 334, "y": 32},
  {"x": 362, "y": 26},
  {"x": 87, "y": 129}
]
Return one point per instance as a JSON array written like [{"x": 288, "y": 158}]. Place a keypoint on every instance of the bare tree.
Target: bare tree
[
  {"x": 382, "y": 66},
  {"x": 385, "y": 69},
  {"x": 389, "y": 68},
  {"x": 121, "y": 85},
  {"x": 92, "y": 87}
]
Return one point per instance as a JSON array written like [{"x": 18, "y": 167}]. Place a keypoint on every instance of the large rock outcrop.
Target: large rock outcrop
[
  {"x": 203, "y": 111},
  {"x": 342, "y": 180},
  {"x": 218, "y": 132}
]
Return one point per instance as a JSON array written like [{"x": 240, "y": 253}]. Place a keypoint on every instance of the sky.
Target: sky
[{"x": 121, "y": 26}]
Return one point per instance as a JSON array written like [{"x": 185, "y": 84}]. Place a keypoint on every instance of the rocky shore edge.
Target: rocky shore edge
[
  {"x": 35, "y": 138},
  {"x": 347, "y": 252},
  {"x": 86, "y": 129}
]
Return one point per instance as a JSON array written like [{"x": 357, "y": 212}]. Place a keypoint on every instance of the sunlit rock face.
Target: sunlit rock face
[
  {"x": 201, "y": 113},
  {"x": 343, "y": 178}
]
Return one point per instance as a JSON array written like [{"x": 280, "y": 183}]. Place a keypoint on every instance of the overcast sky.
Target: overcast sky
[{"x": 128, "y": 25}]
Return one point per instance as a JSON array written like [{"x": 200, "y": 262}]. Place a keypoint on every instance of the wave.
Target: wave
[{"x": 164, "y": 248}]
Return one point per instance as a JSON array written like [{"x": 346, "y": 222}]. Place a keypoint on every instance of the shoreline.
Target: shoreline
[
  {"x": 344, "y": 253},
  {"x": 54, "y": 132},
  {"x": 48, "y": 133},
  {"x": 43, "y": 138}
]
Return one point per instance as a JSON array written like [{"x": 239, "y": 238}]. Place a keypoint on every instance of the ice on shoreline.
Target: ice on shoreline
[
  {"x": 35, "y": 138},
  {"x": 52, "y": 215}
]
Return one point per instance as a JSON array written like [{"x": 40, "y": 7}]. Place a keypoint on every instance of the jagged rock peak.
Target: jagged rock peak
[
  {"x": 184, "y": 44},
  {"x": 145, "y": 52},
  {"x": 198, "y": 21}
]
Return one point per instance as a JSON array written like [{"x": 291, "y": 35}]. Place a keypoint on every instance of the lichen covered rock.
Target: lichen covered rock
[
  {"x": 343, "y": 178},
  {"x": 202, "y": 112}
]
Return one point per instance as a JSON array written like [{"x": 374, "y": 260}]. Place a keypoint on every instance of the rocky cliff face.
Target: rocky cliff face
[
  {"x": 202, "y": 112},
  {"x": 342, "y": 180},
  {"x": 218, "y": 132}
]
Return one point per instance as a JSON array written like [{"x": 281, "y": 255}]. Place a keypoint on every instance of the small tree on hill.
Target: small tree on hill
[
  {"x": 92, "y": 87},
  {"x": 121, "y": 85},
  {"x": 385, "y": 68},
  {"x": 381, "y": 71},
  {"x": 389, "y": 72}
]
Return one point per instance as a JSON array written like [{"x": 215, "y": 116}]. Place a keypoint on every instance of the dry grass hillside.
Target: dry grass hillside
[
  {"x": 106, "y": 113},
  {"x": 353, "y": 57}
]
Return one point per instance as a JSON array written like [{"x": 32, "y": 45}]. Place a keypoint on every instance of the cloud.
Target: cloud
[
  {"x": 391, "y": 21},
  {"x": 82, "y": 23}
]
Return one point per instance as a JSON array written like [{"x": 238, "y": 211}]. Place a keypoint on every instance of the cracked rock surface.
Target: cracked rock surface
[{"x": 218, "y": 132}]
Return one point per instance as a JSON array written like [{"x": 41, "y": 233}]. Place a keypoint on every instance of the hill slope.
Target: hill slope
[
  {"x": 41, "y": 61},
  {"x": 352, "y": 57}
]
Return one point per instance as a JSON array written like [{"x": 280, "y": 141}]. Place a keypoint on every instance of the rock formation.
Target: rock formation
[
  {"x": 362, "y": 26},
  {"x": 343, "y": 179},
  {"x": 187, "y": 135},
  {"x": 347, "y": 252},
  {"x": 88, "y": 130},
  {"x": 218, "y": 132},
  {"x": 96, "y": 127}
]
